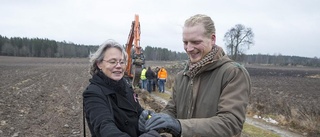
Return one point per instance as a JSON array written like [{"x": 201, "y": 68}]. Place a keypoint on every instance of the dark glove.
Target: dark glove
[
  {"x": 151, "y": 133},
  {"x": 164, "y": 123},
  {"x": 144, "y": 116},
  {"x": 165, "y": 80}
]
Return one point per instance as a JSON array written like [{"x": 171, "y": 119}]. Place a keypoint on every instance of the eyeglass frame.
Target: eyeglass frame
[{"x": 114, "y": 62}]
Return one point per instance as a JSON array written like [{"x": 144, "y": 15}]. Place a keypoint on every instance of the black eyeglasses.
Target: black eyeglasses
[{"x": 114, "y": 62}]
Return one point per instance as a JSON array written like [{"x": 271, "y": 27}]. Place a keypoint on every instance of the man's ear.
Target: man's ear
[{"x": 213, "y": 38}]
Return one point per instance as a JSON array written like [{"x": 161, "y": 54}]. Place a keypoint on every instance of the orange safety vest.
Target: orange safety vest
[{"x": 162, "y": 74}]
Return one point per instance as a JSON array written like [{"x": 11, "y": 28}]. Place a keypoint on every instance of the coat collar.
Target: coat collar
[
  {"x": 118, "y": 91},
  {"x": 218, "y": 59}
]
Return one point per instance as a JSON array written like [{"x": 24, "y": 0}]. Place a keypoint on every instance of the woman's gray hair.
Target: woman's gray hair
[
  {"x": 98, "y": 56},
  {"x": 205, "y": 20}
]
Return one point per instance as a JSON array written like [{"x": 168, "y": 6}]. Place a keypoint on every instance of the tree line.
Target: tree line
[
  {"x": 163, "y": 54},
  {"x": 37, "y": 47},
  {"x": 281, "y": 60}
]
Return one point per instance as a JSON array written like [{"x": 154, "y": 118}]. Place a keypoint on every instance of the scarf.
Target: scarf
[
  {"x": 195, "y": 67},
  {"x": 117, "y": 86}
]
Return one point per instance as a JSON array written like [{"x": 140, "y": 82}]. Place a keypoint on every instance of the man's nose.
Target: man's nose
[{"x": 189, "y": 47}]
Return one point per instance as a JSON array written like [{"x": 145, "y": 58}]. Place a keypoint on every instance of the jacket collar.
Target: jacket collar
[
  {"x": 218, "y": 59},
  {"x": 117, "y": 90},
  {"x": 114, "y": 86}
]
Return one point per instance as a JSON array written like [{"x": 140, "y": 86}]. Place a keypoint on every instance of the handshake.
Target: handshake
[{"x": 160, "y": 122}]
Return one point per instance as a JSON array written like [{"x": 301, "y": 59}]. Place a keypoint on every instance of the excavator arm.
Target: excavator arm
[{"x": 134, "y": 51}]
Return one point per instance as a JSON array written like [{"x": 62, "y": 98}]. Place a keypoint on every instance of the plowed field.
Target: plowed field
[{"x": 42, "y": 96}]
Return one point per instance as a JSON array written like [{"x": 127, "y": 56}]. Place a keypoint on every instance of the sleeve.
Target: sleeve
[
  {"x": 154, "y": 75},
  {"x": 231, "y": 108},
  {"x": 170, "y": 108},
  {"x": 99, "y": 114},
  {"x": 158, "y": 74}
]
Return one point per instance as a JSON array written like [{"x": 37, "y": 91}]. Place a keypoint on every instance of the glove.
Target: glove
[
  {"x": 144, "y": 116},
  {"x": 165, "y": 80},
  {"x": 164, "y": 123},
  {"x": 151, "y": 133}
]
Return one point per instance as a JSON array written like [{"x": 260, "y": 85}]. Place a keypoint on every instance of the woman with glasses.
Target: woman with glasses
[{"x": 111, "y": 107}]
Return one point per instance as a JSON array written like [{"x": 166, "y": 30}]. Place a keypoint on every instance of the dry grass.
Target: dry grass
[
  {"x": 162, "y": 95},
  {"x": 315, "y": 76},
  {"x": 252, "y": 131}
]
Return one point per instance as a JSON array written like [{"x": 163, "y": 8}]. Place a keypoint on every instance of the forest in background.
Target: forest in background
[{"x": 39, "y": 47}]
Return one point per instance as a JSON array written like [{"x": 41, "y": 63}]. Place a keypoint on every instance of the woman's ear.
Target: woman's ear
[{"x": 99, "y": 65}]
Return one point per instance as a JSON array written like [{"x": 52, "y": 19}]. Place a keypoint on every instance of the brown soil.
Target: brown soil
[
  {"x": 43, "y": 96},
  {"x": 288, "y": 94}
]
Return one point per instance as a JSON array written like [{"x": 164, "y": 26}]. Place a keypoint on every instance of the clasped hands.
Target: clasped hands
[{"x": 160, "y": 122}]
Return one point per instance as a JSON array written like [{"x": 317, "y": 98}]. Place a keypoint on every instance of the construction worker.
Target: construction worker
[
  {"x": 143, "y": 78},
  {"x": 155, "y": 80},
  {"x": 162, "y": 76},
  {"x": 150, "y": 77}
]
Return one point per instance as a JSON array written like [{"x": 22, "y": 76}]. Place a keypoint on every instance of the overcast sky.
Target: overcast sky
[{"x": 287, "y": 27}]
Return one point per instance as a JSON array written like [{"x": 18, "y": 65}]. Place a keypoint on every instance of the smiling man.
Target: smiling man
[{"x": 210, "y": 96}]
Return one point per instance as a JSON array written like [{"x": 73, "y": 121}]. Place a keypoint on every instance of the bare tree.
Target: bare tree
[{"x": 238, "y": 39}]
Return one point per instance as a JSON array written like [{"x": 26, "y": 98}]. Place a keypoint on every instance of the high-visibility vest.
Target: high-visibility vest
[
  {"x": 143, "y": 74},
  {"x": 162, "y": 74}
]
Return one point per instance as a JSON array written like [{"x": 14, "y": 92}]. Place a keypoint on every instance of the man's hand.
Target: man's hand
[
  {"x": 164, "y": 123},
  {"x": 144, "y": 116}
]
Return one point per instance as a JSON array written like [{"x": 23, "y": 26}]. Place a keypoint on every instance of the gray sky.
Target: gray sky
[{"x": 287, "y": 27}]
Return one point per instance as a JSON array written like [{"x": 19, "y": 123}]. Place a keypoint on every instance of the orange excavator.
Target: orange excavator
[{"x": 135, "y": 56}]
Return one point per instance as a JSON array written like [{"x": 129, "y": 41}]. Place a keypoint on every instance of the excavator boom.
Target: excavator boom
[{"x": 134, "y": 51}]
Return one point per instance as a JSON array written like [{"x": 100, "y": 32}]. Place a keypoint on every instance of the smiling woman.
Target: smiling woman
[
  {"x": 110, "y": 104},
  {"x": 106, "y": 57},
  {"x": 110, "y": 66}
]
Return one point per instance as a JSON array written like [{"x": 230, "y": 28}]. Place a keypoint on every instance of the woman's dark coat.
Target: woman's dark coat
[{"x": 112, "y": 108}]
